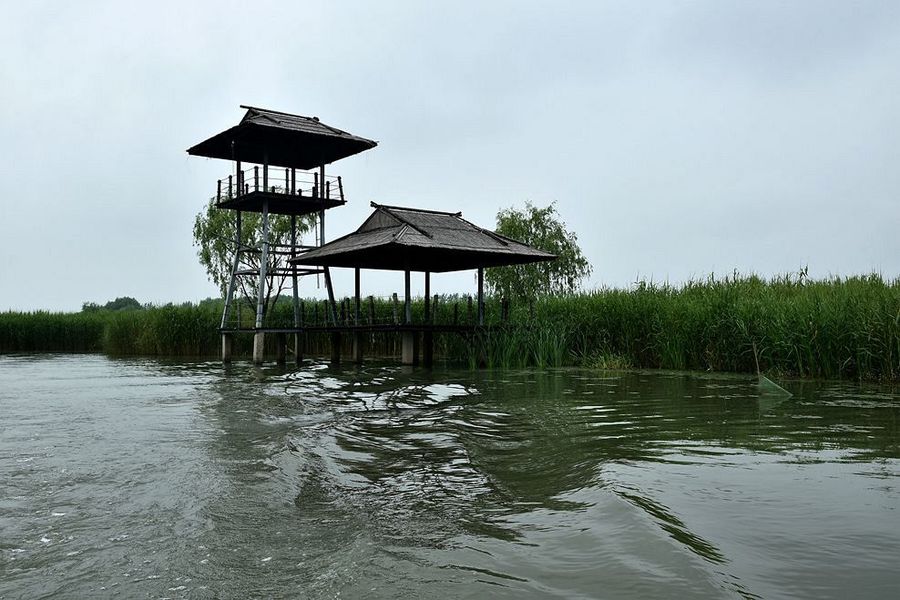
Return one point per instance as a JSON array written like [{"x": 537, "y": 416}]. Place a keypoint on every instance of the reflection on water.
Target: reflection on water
[{"x": 140, "y": 478}]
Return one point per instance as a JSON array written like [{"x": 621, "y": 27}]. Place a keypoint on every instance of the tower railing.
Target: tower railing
[{"x": 279, "y": 181}]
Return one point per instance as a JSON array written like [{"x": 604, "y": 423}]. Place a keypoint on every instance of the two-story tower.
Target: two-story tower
[{"x": 279, "y": 169}]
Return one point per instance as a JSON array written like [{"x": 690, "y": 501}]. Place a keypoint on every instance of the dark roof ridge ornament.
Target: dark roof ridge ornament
[
  {"x": 390, "y": 208},
  {"x": 490, "y": 233}
]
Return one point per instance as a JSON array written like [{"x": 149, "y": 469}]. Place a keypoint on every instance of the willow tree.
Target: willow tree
[
  {"x": 214, "y": 236},
  {"x": 543, "y": 229}
]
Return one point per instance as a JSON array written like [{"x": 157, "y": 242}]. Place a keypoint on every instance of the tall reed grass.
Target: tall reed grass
[
  {"x": 835, "y": 328},
  {"x": 42, "y": 331}
]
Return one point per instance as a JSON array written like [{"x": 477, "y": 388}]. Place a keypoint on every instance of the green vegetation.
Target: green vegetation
[
  {"x": 839, "y": 328},
  {"x": 542, "y": 229}
]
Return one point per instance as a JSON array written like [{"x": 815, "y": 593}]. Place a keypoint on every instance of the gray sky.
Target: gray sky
[{"x": 677, "y": 138}]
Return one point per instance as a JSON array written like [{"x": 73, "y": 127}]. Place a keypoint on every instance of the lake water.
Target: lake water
[{"x": 147, "y": 479}]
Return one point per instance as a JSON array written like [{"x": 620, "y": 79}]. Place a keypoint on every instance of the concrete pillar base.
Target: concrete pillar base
[
  {"x": 409, "y": 348},
  {"x": 227, "y": 347},
  {"x": 259, "y": 347}
]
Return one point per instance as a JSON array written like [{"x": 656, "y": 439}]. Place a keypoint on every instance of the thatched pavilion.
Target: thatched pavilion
[{"x": 406, "y": 239}]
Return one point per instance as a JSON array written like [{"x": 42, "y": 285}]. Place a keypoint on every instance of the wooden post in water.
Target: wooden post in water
[
  {"x": 335, "y": 348},
  {"x": 281, "y": 349},
  {"x": 294, "y": 286},
  {"x": 259, "y": 337},
  {"x": 300, "y": 337},
  {"x": 409, "y": 354}
]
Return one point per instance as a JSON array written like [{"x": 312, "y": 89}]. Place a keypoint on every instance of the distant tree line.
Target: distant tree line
[{"x": 122, "y": 303}]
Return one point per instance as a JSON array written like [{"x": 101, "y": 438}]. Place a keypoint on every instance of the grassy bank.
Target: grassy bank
[{"x": 839, "y": 328}]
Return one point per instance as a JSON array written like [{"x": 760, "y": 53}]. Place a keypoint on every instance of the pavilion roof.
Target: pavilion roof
[
  {"x": 284, "y": 139},
  {"x": 411, "y": 239}
]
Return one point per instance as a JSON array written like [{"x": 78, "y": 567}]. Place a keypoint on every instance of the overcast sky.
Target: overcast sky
[{"x": 677, "y": 138}]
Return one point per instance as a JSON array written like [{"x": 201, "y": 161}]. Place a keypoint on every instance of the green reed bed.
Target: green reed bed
[
  {"x": 170, "y": 330},
  {"x": 836, "y": 328},
  {"x": 51, "y": 332}
]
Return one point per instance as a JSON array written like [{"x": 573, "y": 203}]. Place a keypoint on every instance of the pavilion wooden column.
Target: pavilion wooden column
[
  {"x": 480, "y": 295},
  {"x": 409, "y": 351},
  {"x": 294, "y": 282},
  {"x": 427, "y": 334},
  {"x": 357, "y": 335}
]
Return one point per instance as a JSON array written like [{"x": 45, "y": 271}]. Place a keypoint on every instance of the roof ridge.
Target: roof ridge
[
  {"x": 314, "y": 119},
  {"x": 403, "y": 221},
  {"x": 277, "y": 112},
  {"x": 491, "y": 234},
  {"x": 412, "y": 209}
]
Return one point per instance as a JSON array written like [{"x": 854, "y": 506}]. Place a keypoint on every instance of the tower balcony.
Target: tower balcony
[{"x": 285, "y": 191}]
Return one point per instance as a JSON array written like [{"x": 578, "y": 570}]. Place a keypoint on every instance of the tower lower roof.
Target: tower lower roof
[{"x": 409, "y": 239}]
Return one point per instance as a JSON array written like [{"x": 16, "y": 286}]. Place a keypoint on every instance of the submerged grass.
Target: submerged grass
[{"x": 835, "y": 328}]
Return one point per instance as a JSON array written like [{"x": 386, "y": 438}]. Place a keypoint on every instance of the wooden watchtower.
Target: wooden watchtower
[{"x": 279, "y": 169}]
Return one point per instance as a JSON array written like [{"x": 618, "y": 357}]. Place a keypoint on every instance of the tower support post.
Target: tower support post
[
  {"x": 259, "y": 337},
  {"x": 229, "y": 295}
]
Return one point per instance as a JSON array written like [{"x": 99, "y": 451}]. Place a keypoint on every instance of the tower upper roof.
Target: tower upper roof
[{"x": 282, "y": 140}]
